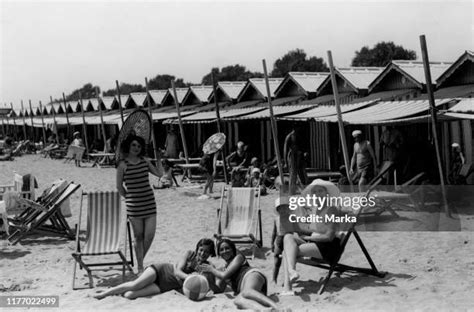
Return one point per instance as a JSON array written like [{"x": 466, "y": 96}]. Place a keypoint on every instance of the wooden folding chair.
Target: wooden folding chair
[
  {"x": 240, "y": 217},
  {"x": 38, "y": 213},
  {"x": 335, "y": 266},
  {"x": 104, "y": 217}
]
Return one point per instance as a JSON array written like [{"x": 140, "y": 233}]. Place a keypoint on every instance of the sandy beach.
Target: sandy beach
[{"x": 427, "y": 271}]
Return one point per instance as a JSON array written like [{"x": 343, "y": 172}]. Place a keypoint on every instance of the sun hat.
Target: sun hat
[
  {"x": 255, "y": 170},
  {"x": 240, "y": 144},
  {"x": 76, "y": 133},
  {"x": 331, "y": 188},
  {"x": 356, "y": 133},
  {"x": 455, "y": 145}
]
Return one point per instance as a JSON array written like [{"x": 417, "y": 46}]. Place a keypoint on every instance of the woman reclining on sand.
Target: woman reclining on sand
[
  {"x": 162, "y": 277},
  {"x": 249, "y": 283}
]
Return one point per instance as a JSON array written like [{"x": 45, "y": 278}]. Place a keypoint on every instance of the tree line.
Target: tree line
[{"x": 295, "y": 60}]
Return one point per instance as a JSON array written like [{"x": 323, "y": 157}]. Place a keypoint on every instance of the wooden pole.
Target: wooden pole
[
  {"x": 273, "y": 124},
  {"x": 54, "y": 119},
  {"x": 156, "y": 152},
  {"x": 24, "y": 123},
  {"x": 218, "y": 115},
  {"x": 67, "y": 118},
  {"x": 181, "y": 129},
  {"x": 3, "y": 128},
  {"x": 119, "y": 100},
  {"x": 84, "y": 125},
  {"x": 14, "y": 124},
  {"x": 32, "y": 122},
  {"x": 434, "y": 123},
  {"x": 42, "y": 123},
  {"x": 339, "y": 117},
  {"x": 104, "y": 137}
]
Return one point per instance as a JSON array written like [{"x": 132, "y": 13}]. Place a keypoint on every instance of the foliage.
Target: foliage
[
  {"x": 381, "y": 55},
  {"x": 297, "y": 60},
  {"x": 87, "y": 91},
  {"x": 230, "y": 73}
]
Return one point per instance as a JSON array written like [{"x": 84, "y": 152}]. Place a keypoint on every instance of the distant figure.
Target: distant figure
[
  {"x": 111, "y": 144},
  {"x": 363, "y": 160},
  {"x": 166, "y": 180},
  {"x": 294, "y": 158},
  {"x": 457, "y": 161},
  {"x": 392, "y": 142},
  {"x": 171, "y": 144},
  {"x": 208, "y": 165},
  {"x": 255, "y": 180},
  {"x": 77, "y": 141},
  {"x": 237, "y": 161}
]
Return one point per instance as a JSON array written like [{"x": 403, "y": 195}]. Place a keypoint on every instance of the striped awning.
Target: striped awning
[
  {"x": 207, "y": 117},
  {"x": 326, "y": 110},
  {"x": 277, "y": 111},
  {"x": 385, "y": 111}
]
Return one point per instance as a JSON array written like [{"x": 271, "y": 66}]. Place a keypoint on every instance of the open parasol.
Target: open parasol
[
  {"x": 214, "y": 143},
  {"x": 138, "y": 123}
]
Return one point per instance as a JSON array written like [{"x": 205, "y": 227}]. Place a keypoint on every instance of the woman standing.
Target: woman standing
[{"x": 141, "y": 206}]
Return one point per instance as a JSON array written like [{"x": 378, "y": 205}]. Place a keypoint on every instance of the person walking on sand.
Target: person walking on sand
[
  {"x": 162, "y": 277},
  {"x": 140, "y": 200},
  {"x": 363, "y": 160},
  {"x": 208, "y": 165},
  {"x": 294, "y": 159}
]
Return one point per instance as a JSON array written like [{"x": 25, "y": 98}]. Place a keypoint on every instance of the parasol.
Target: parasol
[
  {"x": 214, "y": 143},
  {"x": 138, "y": 123}
]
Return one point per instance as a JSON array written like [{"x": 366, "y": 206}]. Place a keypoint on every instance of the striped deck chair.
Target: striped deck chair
[
  {"x": 239, "y": 216},
  {"x": 344, "y": 233},
  {"x": 104, "y": 219},
  {"x": 45, "y": 214}
]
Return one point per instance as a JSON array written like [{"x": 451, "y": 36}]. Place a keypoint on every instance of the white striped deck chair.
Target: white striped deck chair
[
  {"x": 104, "y": 219},
  {"x": 239, "y": 216}
]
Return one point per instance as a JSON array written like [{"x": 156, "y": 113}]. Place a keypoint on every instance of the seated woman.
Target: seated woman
[
  {"x": 249, "y": 283},
  {"x": 162, "y": 277},
  {"x": 317, "y": 239}
]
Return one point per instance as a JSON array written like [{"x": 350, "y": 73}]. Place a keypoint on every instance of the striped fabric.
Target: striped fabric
[
  {"x": 139, "y": 199},
  {"x": 240, "y": 212},
  {"x": 103, "y": 223}
]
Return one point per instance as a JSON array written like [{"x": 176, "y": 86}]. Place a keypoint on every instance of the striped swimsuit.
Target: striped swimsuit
[{"x": 140, "y": 200}]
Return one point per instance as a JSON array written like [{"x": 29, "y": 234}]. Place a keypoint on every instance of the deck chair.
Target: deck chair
[
  {"x": 335, "y": 266},
  {"x": 104, "y": 216},
  {"x": 240, "y": 217},
  {"x": 45, "y": 214}
]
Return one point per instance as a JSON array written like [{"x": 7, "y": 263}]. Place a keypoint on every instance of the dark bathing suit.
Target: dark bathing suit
[{"x": 330, "y": 251}]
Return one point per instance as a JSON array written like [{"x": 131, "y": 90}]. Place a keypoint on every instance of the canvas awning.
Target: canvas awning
[
  {"x": 265, "y": 113},
  {"x": 465, "y": 105},
  {"x": 385, "y": 111},
  {"x": 326, "y": 110},
  {"x": 207, "y": 117}
]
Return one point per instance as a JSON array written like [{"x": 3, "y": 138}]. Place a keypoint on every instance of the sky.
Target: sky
[{"x": 51, "y": 47}]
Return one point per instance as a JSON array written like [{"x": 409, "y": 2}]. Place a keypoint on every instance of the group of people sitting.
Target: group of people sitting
[{"x": 249, "y": 284}]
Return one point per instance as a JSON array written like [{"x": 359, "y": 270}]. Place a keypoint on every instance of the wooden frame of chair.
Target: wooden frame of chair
[
  {"x": 255, "y": 239},
  {"x": 335, "y": 265},
  {"x": 34, "y": 217},
  {"x": 103, "y": 220}
]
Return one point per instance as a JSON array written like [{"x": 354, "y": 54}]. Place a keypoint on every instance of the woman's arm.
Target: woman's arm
[
  {"x": 231, "y": 268},
  {"x": 120, "y": 172},
  {"x": 180, "y": 266},
  {"x": 158, "y": 170}
]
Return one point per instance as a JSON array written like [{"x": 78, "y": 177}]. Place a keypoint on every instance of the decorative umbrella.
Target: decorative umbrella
[
  {"x": 137, "y": 123},
  {"x": 214, "y": 143}
]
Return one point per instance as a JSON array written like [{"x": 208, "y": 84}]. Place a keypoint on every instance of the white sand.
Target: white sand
[{"x": 426, "y": 270}]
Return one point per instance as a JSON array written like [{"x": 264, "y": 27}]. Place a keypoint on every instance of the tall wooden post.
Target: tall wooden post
[
  {"x": 181, "y": 129},
  {"x": 24, "y": 123},
  {"x": 119, "y": 100},
  {"x": 340, "y": 122},
  {"x": 156, "y": 152},
  {"x": 434, "y": 122},
  {"x": 273, "y": 124},
  {"x": 42, "y": 123},
  {"x": 67, "y": 118},
  {"x": 218, "y": 115},
  {"x": 54, "y": 119},
  {"x": 104, "y": 137},
  {"x": 84, "y": 125},
  {"x": 32, "y": 123},
  {"x": 15, "y": 137}
]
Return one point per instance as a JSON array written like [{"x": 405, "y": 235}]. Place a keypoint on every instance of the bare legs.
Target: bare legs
[
  {"x": 209, "y": 183},
  {"x": 251, "y": 296},
  {"x": 144, "y": 233},
  {"x": 295, "y": 246},
  {"x": 141, "y": 287}
]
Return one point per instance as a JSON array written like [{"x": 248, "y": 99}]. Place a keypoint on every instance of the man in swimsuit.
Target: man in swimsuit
[{"x": 363, "y": 160}]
